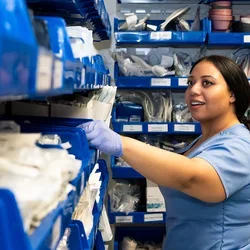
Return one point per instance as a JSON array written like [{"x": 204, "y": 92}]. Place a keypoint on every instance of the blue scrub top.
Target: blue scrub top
[{"x": 196, "y": 225}]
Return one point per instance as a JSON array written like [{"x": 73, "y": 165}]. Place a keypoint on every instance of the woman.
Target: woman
[{"x": 207, "y": 187}]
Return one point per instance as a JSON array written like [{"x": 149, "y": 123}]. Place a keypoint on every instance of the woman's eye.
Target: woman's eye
[
  {"x": 190, "y": 83},
  {"x": 207, "y": 83}
]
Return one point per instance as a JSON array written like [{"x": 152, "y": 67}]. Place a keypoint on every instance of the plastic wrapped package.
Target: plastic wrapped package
[
  {"x": 84, "y": 208},
  {"x": 120, "y": 162},
  {"x": 47, "y": 171},
  {"x": 181, "y": 113},
  {"x": 129, "y": 243},
  {"x": 104, "y": 226},
  {"x": 182, "y": 63},
  {"x": 34, "y": 206},
  {"x": 156, "y": 108},
  {"x": 124, "y": 197},
  {"x": 158, "y": 62},
  {"x": 242, "y": 58},
  {"x": 49, "y": 140}
]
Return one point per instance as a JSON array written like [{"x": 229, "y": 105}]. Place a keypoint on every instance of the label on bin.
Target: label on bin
[
  {"x": 82, "y": 182},
  {"x": 44, "y": 72},
  {"x": 83, "y": 77},
  {"x": 157, "y": 127},
  {"x": 184, "y": 127},
  {"x": 56, "y": 232},
  {"x": 161, "y": 82},
  {"x": 161, "y": 35},
  {"x": 132, "y": 128},
  {"x": 58, "y": 75},
  {"x": 153, "y": 217},
  {"x": 247, "y": 39},
  {"x": 182, "y": 82},
  {"x": 123, "y": 219}
]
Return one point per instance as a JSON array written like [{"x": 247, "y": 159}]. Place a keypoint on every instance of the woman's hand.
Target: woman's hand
[{"x": 102, "y": 137}]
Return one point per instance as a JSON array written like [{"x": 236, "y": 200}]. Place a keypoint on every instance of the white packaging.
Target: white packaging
[
  {"x": 104, "y": 226},
  {"x": 97, "y": 111},
  {"x": 67, "y": 111},
  {"x": 155, "y": 200}
]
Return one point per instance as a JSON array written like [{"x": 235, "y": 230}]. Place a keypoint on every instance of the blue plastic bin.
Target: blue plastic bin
[
  {"x": 78, "y": 239},
  {"x": 159, "y": 37},
  {"x": 18, "y": 51}
]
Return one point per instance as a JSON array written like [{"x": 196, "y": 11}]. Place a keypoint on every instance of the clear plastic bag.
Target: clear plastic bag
[
  {"x": 181, "y": 113},
  {"x": 182, "y": 63},
  {"x": 153, "y": 103},
  {"x": 124, "y": 197}
]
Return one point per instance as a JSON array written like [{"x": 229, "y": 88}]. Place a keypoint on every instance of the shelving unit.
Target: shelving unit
[
  {"x": 36, "y": 69},
  {"x": 43, "y": 70},
  {"x": 60, "y": 218},
  {"x": 92, "y": 14},
  {"x": 37, "y": 62},
  {"x": 131, "y": 39}
]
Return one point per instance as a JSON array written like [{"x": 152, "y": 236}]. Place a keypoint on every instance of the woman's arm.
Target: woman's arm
[{"x": 195, "y": 177}]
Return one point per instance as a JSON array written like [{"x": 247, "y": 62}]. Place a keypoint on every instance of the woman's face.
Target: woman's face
[{"x": 208, "y": 96}]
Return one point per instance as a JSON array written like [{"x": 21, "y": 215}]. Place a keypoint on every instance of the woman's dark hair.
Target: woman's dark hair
[{"x": 235, "y": 78}]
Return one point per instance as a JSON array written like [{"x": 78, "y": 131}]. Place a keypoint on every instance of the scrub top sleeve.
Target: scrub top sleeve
[{"x": 230, "y": 159}]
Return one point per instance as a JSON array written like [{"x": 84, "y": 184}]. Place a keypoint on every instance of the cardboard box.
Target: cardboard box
[{"x": 155, "y": 201}]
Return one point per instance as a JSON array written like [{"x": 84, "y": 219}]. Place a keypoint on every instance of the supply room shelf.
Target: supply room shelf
[
  {"x": 159, "y": 37},
  {"x": 33, "y": 68},
  {"x": 153, "y": 127}
]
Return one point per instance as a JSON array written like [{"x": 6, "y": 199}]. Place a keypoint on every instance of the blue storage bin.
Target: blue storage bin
[
  {"x": 128, "y": 111},
  {"x": 64, "y": 74},
  {"x": 141, "y": 234},
  {"x": 121, "y": 172},
  {"x": 89, "y": 73},
  {"x": 79, "y": 148},
  {"x": 57, "y": 221},
  {"x": 18, "y": 50},
  {"x": 78, "y": 239},
  {"x": 68, "y": 131},
  {"x": 227, "y": 38},
  {"x": 11, "y": 226},
  {"x": 159, "y": 37},
  {"x": 92, "y": 12},
  {"x": 55, "y": 6},
  {"x": 100, "y": 71},
  {"x": 99, "y": 244},
  {"x": 171, "y": 128},
  {"x": 151, "y": 82}
]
